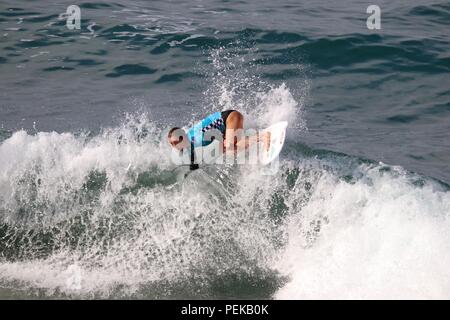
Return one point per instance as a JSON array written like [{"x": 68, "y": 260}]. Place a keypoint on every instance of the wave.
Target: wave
[
  {"x": 382, "y": 235},
  {"x": 110, "y": 211},
  {"x": 108, "y": 215}
]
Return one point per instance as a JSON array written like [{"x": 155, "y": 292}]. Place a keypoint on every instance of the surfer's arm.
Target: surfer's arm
[{"x": 244, "y": 143}]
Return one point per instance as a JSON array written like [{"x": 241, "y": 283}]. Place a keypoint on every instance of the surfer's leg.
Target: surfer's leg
[
  {"x": 234, "y": 133},
  {"x": 234, "y": 124}
]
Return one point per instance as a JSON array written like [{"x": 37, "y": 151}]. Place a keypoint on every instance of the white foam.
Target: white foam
[
  {"x": 383, "y": 238},
  {"x": 234, "y": 84},
  {"x": 57, "y": 162},
  {"x": 376, "y": 236}
]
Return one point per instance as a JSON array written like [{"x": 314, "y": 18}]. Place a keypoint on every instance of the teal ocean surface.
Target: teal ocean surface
[{"x": 91, "y": 205}]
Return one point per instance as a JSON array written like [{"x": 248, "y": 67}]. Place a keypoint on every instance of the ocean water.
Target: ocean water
[{"x": 92, "y": 207}]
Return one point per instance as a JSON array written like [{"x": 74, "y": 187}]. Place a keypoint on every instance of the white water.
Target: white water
[
  {"x": 385, "y": 239},
  {"x": 374, "y": 235},
  {"x": 164, "y": 232}
]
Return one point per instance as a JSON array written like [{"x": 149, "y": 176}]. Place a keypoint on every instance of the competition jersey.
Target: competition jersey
[{"x": 197, "y": 132}]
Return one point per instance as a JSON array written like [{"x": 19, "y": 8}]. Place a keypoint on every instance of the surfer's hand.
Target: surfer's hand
[{"x": 266, "y": 140}]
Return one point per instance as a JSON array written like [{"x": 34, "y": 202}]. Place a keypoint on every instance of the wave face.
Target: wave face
[
  {"x": 91, "y": 205},
  {"x": 109, "y": 216}
]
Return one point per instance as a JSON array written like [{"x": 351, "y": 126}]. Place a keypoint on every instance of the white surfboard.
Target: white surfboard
[{"x": 277, "y": 137}]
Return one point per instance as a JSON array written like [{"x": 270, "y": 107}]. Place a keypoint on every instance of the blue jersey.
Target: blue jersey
[{"x": 197, "y": 132}]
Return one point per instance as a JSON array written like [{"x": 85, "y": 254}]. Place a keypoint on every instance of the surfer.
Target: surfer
[{"x": 226, "y": 125}]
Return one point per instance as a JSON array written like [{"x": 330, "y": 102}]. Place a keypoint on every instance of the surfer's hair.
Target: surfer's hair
[
  {"x": 176, "y": 136},
  {"x": 169, "y": 135}
]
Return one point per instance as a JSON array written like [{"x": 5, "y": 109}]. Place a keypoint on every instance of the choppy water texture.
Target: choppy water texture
[{"x": 91, "y": 205}]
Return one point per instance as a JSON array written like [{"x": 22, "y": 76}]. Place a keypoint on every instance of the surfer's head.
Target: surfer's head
[{"x": 177, "y": 138}]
